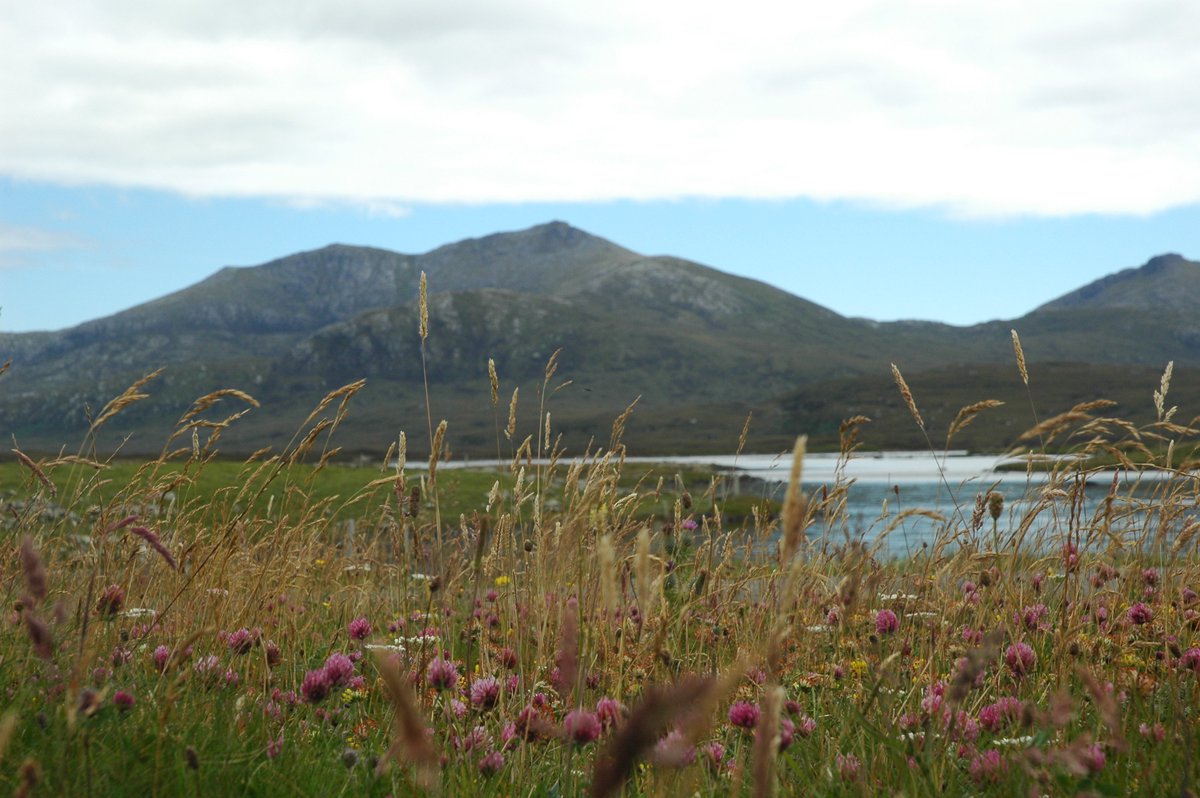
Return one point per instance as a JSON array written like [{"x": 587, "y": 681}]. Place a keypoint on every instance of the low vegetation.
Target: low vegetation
[{"x": 568, "y": 625}]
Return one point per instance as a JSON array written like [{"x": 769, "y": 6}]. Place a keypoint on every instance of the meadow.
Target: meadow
[{"x": 190, "y": 626}]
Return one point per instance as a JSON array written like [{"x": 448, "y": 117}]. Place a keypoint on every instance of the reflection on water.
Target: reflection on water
[{"x": 884, "y": 486}]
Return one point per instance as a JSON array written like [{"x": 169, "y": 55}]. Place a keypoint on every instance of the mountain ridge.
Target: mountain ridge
[{"x": 671, "y": 330}]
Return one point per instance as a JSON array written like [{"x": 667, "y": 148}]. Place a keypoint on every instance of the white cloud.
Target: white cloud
[
  {"x": 17, "y": 241},
  {"x": 983, "y": 107}
]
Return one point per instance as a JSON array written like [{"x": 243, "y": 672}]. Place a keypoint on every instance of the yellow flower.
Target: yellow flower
[
  {"x": 859, "y": 666},
  {"x": 501, "y": 581},
  {"x": 320, "y": 561}
]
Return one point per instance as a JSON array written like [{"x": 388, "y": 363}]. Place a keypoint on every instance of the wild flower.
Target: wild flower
[
  {"x": 274, "y": 655},
  {"x": 581, "y": 727},
  {"x": 1003, "y": 712},
  {"x": 806, "y": 726},
  {"x": 1031, "y": 617},
  {"x": 988, "y": 767},
  {"x": 744, "y": 715},
  {"x": 935, "y": 694},
  {"x": 1156, "y": 733},
  {"x": 1190, "y": 660},
  {"x": 274, "y": 746},
  {"x": 207, "y": 667},
  {"x": 359, "y": 629},
  {"x": 1020, "y": 658},
  {"x": 886, "y": 622},
  {"x": 508, "y": 735},
  {"x": 674, "y": 751},
  {"x": 339, "y": 668},
  {"x": 1070, "y": 557},
  {"x": 316, "y": 685},
  {"x": 441, "y": 674},
  {"x": 787, "y": 733},
  {"x": 231, "y": 677},
  {"x": 123, "y": 701},
  {"x": 485, "y": 692},
  {"x": 1093, "y": 758},
  {"x": 847, "y": 767},
  {"x": 111, "y": 600},
  {"x": 491, "y": 763},
  {"x": 1140, "y": 614},
  {"x": 610, "y": 712},
  {"x": 241, "y": 641},
  {"x": 714, "y": 755},
  {"x": 478, "y": 737}
]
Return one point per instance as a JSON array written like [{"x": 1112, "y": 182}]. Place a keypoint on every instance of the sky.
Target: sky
[{"x": 937, "y": 159}]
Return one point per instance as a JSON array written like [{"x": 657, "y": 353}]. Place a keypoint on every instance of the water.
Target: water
[{"x": 887, "y": 484}]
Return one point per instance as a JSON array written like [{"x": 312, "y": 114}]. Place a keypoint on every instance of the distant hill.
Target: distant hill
[{"x": 700, "y": 347}]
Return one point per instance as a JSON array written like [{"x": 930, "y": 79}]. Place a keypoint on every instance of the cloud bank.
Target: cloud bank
[{"x": 983, "y": 108}]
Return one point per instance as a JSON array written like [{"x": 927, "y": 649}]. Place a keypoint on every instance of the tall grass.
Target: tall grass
[{"x": 554, "y": 640}]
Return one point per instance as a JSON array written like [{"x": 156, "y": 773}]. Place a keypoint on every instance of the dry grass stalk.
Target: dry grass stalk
[
  {"x": 1056, "y": 424},
  {"x": 607, "y": 557},
  {"x": 208, "y": 400},
  {"x": 345, "y": 393},
  {"x": 649, "y": 719},
  {"x": 37, "y": 471},
  {"x": 511, "y": 428},
  {"x": 906, "y": 394},
  {"x": 5, "y": 366},
  {"x": 71, "y": 459},
  {"x": 1106, "y": 708},
  {"x": 1160, "y": 396},
  {"x": 410, "y": 726},
  {"x": 618, "y": 426},
  {"x": 745, "y": 433},
  {"x": 766, "y": 743},
  {"x": 8, "y": 724},
  {"x": 155, "y": 543},
  {"x": 435, "y": 450},
  {"x": 493, "y": 382},
  {"x": 793, "y": 505},
  {"x": 1020, "y": 353},
  {"x": 643, "y": 578},
  {"x": 424, "y": 309},
  {"x": 129, "y": 396},
  {"x": 35, "y": 572},
  {"x": 967, "y": 415},
  {"x": 552, "y": 364}
]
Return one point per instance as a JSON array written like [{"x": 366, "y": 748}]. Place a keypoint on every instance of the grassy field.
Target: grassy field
[{"x": 188, "y": 626}]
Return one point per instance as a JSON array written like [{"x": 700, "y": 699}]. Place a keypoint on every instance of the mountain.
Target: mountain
[
  {"x": 700, "y": 347},
  {"x": 1168, "y": 283}
]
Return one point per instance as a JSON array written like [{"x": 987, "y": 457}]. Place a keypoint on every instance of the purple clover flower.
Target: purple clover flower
[{"x": 886, "y": 622}]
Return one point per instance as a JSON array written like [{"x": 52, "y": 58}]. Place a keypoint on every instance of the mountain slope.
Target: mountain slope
[{"x": 694, "y": 343}]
